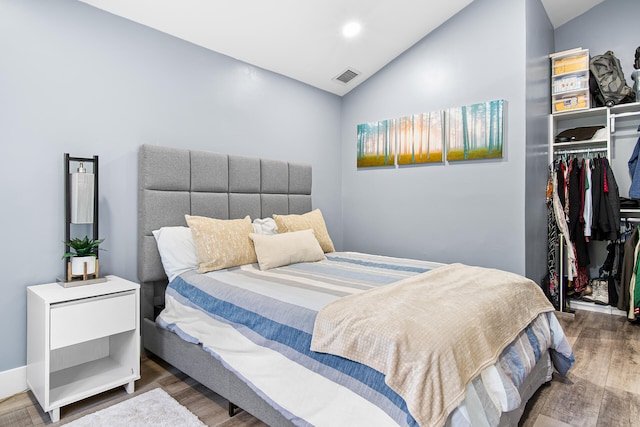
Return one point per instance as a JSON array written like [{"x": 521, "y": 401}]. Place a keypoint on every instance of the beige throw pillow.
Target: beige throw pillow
[
  {"x": 221, "y": 243},
  {"x": 311, "y": 220},
  {"x": 276, "y": 250}
]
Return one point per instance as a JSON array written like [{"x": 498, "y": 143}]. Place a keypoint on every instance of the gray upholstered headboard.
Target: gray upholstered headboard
[{"x": 173, "y": 182}]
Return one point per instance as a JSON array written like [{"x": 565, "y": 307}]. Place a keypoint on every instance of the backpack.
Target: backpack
[{"x": 606, "y": 81}]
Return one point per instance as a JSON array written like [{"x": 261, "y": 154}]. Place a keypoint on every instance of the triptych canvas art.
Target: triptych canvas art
[{"x": 470, "y": 132}]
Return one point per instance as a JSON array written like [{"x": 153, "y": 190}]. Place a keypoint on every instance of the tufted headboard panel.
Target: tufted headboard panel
[{"x": 173, "y": 182}]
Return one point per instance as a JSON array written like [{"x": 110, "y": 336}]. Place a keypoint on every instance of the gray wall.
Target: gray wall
[
  {"x": 612, "y": 25},
  {"x": 539, "y": 45},
  {"x": 75, "y": 79},
  {"x": 471, "y": 212}
]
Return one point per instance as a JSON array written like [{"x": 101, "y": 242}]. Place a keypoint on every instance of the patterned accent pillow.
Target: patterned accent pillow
[
  {"x": 221, "y": 243},
  {"x": 311, "y": 220},
  {"x": 277, "y": 250}
]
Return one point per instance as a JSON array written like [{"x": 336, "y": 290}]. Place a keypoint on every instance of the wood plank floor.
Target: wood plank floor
[{"x": 602, "y": 389}]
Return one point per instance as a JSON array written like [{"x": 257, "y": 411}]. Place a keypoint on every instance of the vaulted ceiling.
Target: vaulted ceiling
[{"x": 304, "y": 39}]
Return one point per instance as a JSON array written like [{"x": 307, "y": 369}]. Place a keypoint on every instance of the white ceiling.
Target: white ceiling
[{"x": 303, "y": 39}]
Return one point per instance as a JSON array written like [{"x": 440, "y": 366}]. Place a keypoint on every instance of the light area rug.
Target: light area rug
[{"x": 153, "y": 408}]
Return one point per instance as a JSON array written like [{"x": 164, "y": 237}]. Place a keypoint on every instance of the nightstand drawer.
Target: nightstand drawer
[{"x": 88, "y": 319}]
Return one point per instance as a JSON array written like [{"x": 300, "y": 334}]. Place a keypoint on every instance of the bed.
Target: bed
[{"x": 267, "y": 317}]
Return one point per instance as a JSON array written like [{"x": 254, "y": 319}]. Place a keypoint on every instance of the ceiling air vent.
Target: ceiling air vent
[{"x": 347, "y": 75}]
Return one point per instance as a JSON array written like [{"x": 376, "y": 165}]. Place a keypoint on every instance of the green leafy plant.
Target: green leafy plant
[{"x": 83, "y": 247}]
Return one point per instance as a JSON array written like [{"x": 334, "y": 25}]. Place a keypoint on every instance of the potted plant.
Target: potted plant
[{"x": 83, "y": 253}]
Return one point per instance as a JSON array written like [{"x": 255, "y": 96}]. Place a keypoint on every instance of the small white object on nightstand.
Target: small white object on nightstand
[{"x": 82, "y": 341}]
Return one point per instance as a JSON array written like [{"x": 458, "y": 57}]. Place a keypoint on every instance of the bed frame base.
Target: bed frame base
[
  {"x": 197, "y": 363},
  {"x": 194, "y": 361},
  {"x": 233, "y": 409}
]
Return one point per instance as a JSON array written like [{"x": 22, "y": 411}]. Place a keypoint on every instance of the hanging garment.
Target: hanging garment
[
  {"x": 561, "y": 222},
  {"x": 560, "y": 183},
  {"x": 582, "y": 178},
  {"x": 614, "y": 289},
  {"x": 576, "y": 225},
  {"x": 626, "y": 235},
  {"x": 631, "y": 313},
  {"x": 613, "y": 195},
  {"x": 609, "y": 270},
  {"x": 606, "y": 202},
  {"x": 567, "y": 178},
  {"x": 598, "y": 195},
  {"x": 552, "y": 245},
  {"x": 634, "y": 171},
  {"x": 587, "y": 213},
  {"x": 628, "y": 266},
  {"x": 635, "y": 295}
]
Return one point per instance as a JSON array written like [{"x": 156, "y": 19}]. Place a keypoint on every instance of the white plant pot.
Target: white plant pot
[{"x": 77, "y": 265}]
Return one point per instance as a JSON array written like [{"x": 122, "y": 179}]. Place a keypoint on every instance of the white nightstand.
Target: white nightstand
[{"x": 82, "y": 341}]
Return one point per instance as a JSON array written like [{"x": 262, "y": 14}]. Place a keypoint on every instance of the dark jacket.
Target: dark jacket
[
  {"x": 606, "y": 205},
  {"x": 628, "y": 262},
  {"x": 634, "y": 171}
]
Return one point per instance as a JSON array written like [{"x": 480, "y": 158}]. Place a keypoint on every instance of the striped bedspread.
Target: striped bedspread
[{"x": 259, "y": 325}]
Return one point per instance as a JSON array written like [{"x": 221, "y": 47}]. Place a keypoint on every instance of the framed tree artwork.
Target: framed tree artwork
[
  {"x": 470, "y": 132},
  {"x": 475, "y": 131}
]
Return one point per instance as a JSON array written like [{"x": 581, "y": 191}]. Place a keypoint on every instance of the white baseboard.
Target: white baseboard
[
  {"x": 592, "y": 306},
  {"x": 13, "y": 381}
]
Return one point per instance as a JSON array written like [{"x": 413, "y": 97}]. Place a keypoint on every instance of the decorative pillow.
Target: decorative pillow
[
  {"x": 311, "y": 220},
  {"x": 265, "y": 226},
  {"x": 221, "y": 243},
  {"x": 287, "y": 248},
  {"x": 177, "y": 250}
]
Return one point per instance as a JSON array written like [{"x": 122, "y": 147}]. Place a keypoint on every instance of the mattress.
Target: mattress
[{"x": 258, "y": 324}]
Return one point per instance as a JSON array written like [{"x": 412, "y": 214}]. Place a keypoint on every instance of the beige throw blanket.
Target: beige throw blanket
[{"x": 432, "y": 333}]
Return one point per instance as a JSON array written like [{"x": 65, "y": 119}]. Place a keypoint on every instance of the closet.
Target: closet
[{"x": 615, "y": 142}]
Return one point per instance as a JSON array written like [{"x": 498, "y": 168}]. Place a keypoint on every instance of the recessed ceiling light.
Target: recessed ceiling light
[{"x": 351, "y": 29}]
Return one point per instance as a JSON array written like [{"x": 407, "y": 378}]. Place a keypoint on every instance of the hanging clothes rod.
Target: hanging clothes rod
[
  {"x": 615, "y": 116},
  {"x": 579, "y": 150},
  {"x": 628, "y": 114}
]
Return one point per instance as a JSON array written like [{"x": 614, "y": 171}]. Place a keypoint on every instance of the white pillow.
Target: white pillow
[
  {"x": 265, "y": 226},
  {"x": 177, "y": 250},
  {"x": 277, "y": 250}
]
